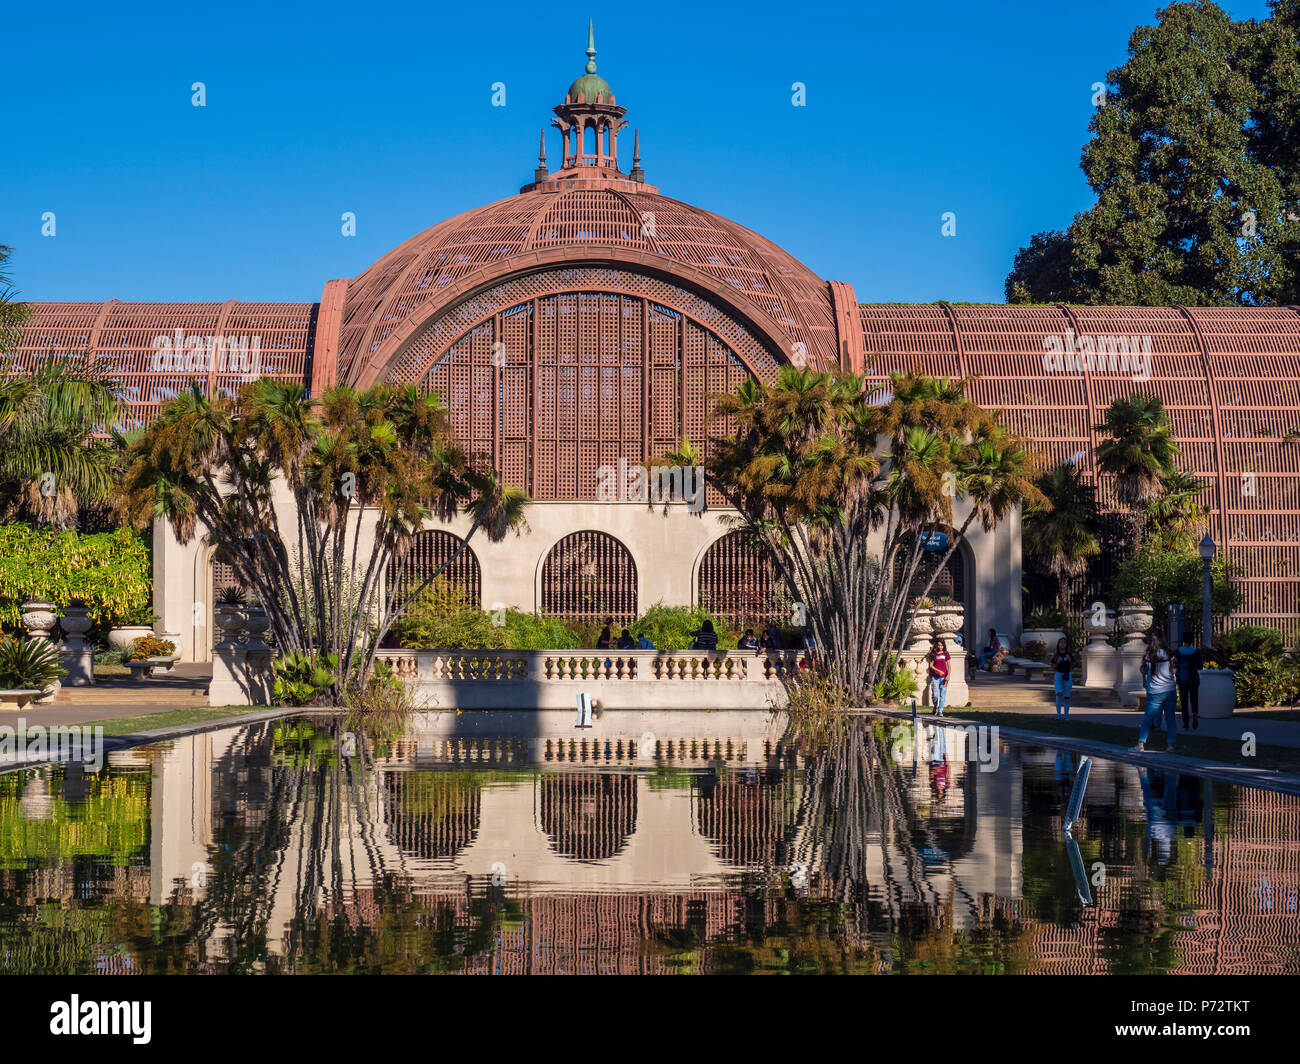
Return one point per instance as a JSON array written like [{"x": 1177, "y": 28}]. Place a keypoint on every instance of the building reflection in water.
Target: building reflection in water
[{"x": 715, "y": 842}]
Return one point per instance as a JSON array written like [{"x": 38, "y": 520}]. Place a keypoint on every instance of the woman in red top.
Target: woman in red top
[{"x": 939, "y": 660}]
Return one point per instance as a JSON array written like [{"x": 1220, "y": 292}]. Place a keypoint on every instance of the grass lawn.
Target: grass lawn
[
  {"x": 106, "y": 672},
  {"x": 169, "y": 718},
  {"x": 1226, "y": 751}
]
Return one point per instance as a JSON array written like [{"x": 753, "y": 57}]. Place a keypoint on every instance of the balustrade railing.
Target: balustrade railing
[{"x": 720, "y": 666}]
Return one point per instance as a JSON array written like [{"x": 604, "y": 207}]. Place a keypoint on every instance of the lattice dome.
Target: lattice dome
[{"x": 505, "y": 237}]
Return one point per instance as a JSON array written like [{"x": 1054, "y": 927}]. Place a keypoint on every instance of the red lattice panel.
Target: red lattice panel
[
  {"x": 737, "y": 581},
  {"x": 121, "y": 337},
  {"x": 590, "y": 575},
  {"x": 428, "y": 553},
  {"x": 1229, "y": 378}
]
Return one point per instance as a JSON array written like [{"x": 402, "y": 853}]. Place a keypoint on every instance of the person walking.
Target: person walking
[
  {"x": 939, "y": 661},
  {"x": 1157, "y": 668},
  {"x": 1063, "y": 679},
  {"x": 1188, "y": 674}
]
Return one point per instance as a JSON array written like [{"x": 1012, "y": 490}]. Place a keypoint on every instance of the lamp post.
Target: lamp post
[{"x": 1207, "y": 556}]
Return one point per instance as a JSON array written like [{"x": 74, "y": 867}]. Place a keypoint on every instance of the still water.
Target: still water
[{"x": 668, "y": 843}]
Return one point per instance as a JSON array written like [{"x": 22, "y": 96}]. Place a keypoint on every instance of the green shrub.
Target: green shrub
[
  {"x": 1266, "y": 681},
  {"x": 671, "y": 627},
  {"x": 535, "y": 631},
  {"x": 110, "y": 572},
  {"x": 150, "y": 646},
  {"x": 1045, "y": 619},
  {"x": 1034, "y": 650},
  {"x": 898, "y": 684},
  {"x": 1249, "y": 640},
  {"x": 300, "y": 679},
  {"x": 28, "y": 663},
  {"x": 441, "y": 617}
]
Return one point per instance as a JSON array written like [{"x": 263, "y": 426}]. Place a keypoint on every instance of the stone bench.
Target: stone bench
[
  {"x": 1029, "y": 666},
  {"x": 151, "y": 666}
]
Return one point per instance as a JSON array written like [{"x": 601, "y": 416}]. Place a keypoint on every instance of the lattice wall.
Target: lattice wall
[
  {"x": 428, "y": 553},
  {"x": 737, "y": 581},
  {"x": 590, "y": 575},
  {"x": 1229, "y": 377},
  {"x": 418, "y": 271},
  {"x": 554, "y": 375}
]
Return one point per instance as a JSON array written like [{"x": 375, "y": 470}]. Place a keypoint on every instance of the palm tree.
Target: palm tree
[
  {"x": 1063, "y": 534},
  {"x": 12, "y": 313},
  {"x": 54, "y": 455},
  {"x": 1139, "y": 448},
  {"x": 1176, "y": 515}
]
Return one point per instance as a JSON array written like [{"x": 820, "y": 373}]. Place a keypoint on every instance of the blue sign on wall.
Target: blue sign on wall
[{"x": 934, "y": 540}]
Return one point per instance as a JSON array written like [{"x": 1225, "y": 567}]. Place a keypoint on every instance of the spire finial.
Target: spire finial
[
  {"x": 591, "y": 46},
  {"x": 541, "y": 150},
  {"x": 637, "y": 174}
]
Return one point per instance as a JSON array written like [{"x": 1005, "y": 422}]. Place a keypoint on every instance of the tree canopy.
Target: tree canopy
[{"x": 1195, "y": 160}]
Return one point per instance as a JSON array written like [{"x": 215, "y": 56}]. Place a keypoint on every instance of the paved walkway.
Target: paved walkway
[
  {"x": 185, "y": 687},
  {"x": 1270, "y": 732}
]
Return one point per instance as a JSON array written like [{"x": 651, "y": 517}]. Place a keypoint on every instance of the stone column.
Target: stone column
[
  {"x": 1135, "y": 618},
  {"x": 78, "y": 658},
  {"x": 1100, "y": 662}
]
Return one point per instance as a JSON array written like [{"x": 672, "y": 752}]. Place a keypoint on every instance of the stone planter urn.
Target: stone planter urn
[
  {"x": 124, "y": 638},
  {"x": 1098, "y": 625},
  {"x": 1047, "y": 636},
  {"x": 947, "y": 620},
  {"x": 175, "y": 639},
  {"x": 920, "y": 627},
  {"x": 230, "y": 620},
  {"x": 38, "y": 618},
  {"x": 1218, "y": 694},
  {"x": 1135, "y": 618}
]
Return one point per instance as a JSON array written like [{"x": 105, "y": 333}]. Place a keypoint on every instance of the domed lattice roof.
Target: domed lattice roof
[{"x": 605, "y": 222}]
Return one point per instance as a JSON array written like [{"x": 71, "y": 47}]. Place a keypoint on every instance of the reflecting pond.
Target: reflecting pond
[{"x": 650, "y": 843}]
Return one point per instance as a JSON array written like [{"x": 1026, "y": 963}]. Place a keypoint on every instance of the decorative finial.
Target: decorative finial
[
  {"x": 637, "y": 173},
  {"x": 591, "y": 46},
  {"x": 541, "y": 150}
]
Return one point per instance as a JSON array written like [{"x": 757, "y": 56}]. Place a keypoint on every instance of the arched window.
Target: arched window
[
  {"x": 589, "y": 575},
  {"x": 431, "y": 814},
  {"x": 738, "y": 582},
  {"x": 429, "y": 552},
  {"x": 588, "y": 816}
]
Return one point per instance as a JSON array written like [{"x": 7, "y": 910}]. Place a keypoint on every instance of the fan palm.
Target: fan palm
[
  {"x": 1063, "y": 533},
  {"x": 1138, "y": 450},
  {"x": 54, "y": 456}
]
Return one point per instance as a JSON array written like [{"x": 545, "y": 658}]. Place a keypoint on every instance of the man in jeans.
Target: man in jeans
[{"x": 1157, "y": 667}]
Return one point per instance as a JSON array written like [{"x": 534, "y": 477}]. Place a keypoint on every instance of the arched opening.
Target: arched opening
[
  {"x": 588, "y": 816},
  {"x": 589, "y": 576},
  {"x": 431, "y": 814},
  {"x": 428, "y": 553},
  {"x": 737, "y": 581}
]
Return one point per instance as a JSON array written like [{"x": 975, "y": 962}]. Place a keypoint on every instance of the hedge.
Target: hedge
[{"x": 111, "y": 572}]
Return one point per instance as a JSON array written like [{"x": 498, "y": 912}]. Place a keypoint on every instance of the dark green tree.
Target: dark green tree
[{"x": 1193, "y": 158}]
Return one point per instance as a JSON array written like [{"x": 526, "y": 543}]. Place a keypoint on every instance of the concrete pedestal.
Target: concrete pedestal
[
  {"x": 1100, "y": 665},
  {"x": 79, "y": 662},
  {"x": 1129, "y": 682}
]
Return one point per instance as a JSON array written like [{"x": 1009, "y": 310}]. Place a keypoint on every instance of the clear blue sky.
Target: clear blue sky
[{"x": 385, "y": 110}]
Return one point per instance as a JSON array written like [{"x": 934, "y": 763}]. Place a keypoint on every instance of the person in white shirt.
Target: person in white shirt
[{"x": 1162, "y": 691}]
